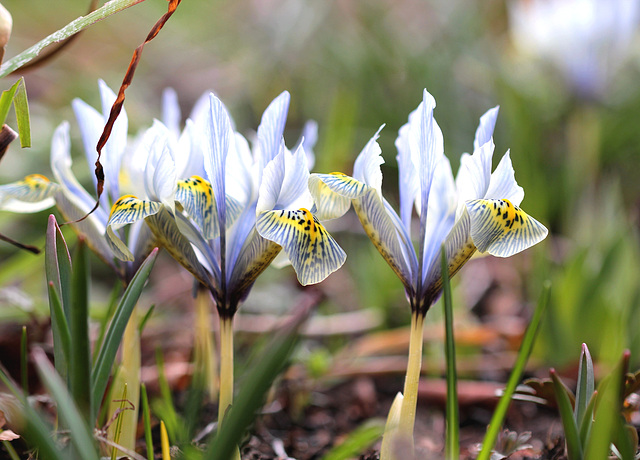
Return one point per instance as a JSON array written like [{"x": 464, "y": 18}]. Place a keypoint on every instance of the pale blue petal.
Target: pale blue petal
[
  {"x": 91, "y": 124},
  {"x": 160, "y": 170},
  {"x": 239, "y": 181},
  {"x": 501, "y": 228},
  {"x": 171, "y": 237},
  {"x": 503, "y": 183},
  {"x": 484, "y": 133},
  {"x": 115, "y": 146},
  {"x": 313, "y": 253},
  {"x": 271, "y": 129},
  {"x": 218, "y": 135},
  {"x": 204, "y": 251},
  {"x": 382, "y": 232},
  {"x": 237, "y": 237},
  {"x": 408, "y": 183},
  {"x": 441, "y": 216},
  {"x": 253, "y": 258},
  {"x": 308, "y": 140},
  {"x": 473, "y": 177},
  {"x": 171, "y": 115},
  {"x": 285, "y": 182},
  {"x": 61, "y": 167},
  {"x": 366, "y": 168}
]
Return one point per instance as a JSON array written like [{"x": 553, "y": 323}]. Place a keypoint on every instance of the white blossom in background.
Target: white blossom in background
[{"x": 587, "y": 41}]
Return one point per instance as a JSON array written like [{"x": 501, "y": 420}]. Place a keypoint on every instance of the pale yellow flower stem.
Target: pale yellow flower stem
[
  {"x": 128, "y": 375},
  {"x": 205, "y": 357},
  {"x": 414, "y": 366},
  {"x": 226, "y": 371}
]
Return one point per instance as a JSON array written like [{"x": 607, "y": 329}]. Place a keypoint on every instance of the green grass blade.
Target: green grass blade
[
  {"x": 80, "y": 362},
  {"x": 63, "y": 341},
  {"x": 113, "y": 337},
  {"x": 264, "y": 371},
  {"x": 24, "y": 370},
  {"x": 111, "y": 308},
  {"x": 146, "y": 417},
  {"x": 357, "y": 441},
  {"x": 585, "y": 386},
  {"x": 607, "y": 412},
  {"x": 13, "y": 455},
  {"x": 574, "y": 448},
  {"x": 21, "y": 105},
  {"x": 523, "y": 355},
  {"x": 587, "y": 419},
  {"x": 70, "y": 29},
  {"x": 452, "y": 441},
  {"x": 58, "y": 270},
  {"x": 164, "y": 408},
  {"x": 5, "y": 101},
  {"x": 80, "y": 431},
  {"x": 37, "y": 431}
]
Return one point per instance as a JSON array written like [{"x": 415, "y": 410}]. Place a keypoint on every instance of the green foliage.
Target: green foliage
[
  {"x": 523, "y": 355},
  {"x": 17, "y": 95}
]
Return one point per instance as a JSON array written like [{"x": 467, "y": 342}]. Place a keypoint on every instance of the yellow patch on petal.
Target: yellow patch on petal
[
  {"x": 313, "y": 253},
  {"x": 33, "y": 188},
  {"x": 501, "y": 228}
]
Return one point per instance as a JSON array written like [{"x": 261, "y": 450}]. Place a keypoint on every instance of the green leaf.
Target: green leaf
[
  {"x": 24, "y": 375},
  {"x": 70, "y": 29},
  {"x": 587, "y": 419},
  {"x": 80, "y": 431},
  {"x": 357, "y": 441},
  {"x": 574, "y": 448},
  {"x": 37, "y": 431},
  {"x": 113, "y": 337},
  {"x": 585, "y": 386},
  {"x": 452, "y": 442},
  {"x": 58, "y": 270},
  {"x": 5, "y": 101},
  {"x": 146, "y": 417},
  {"x": 523, "y": 355},
  {"x": 80, "y": 362},
  {"x": 63, "y": 341},
  {"x": 21, "y": 105},
  {"x": 264, "y": 371}
]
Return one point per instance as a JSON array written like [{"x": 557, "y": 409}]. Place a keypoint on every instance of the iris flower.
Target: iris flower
[
  {"x": 227, "y": 242},
  {"x": 476, "y": 211},
  {"x": 36, "y": 192},
  {"x": 587, "y": 41},
  {"x": 122, "y": 174}
]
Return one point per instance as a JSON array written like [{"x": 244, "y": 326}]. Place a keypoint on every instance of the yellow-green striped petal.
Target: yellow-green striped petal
[
  {"x": 127, "y": 210},
  {"x": 332, "y": 194},
  {"x": 313, "y": 253},
  {"x": 196, "y": 197},
  {"x": 33, "y": 193},
  {"x": 501, "y": 228}
]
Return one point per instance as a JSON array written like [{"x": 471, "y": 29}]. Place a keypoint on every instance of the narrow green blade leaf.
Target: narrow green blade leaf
[
  {"x": 70, "y": 29},
  {"x": 574, "y": 448},
  {"x": 58, "y": 270},
  {"x": 37, "y": 431},
  {"x": 146, "y": 417},
  {"x": 252, "y": 394},
  {"x": 523, "y": 355},
  {"x": 63, "y": 341},
  {"x": 357, "y": 441},
  {"x": 80, "y": 431},
  {"x": 585, "y": 386},
  {"x": 21, "y": 105},
  {"x": 80, "y": 363},
  {"x": 24, "y": 375},
  {"x": 5, "y": 101},
  {"x": 452, "y": 444},
  {"x": 113, "y": 337}
]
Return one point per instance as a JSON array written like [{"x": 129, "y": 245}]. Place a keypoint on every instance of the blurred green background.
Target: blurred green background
[{"x": 352, "y": 66}]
